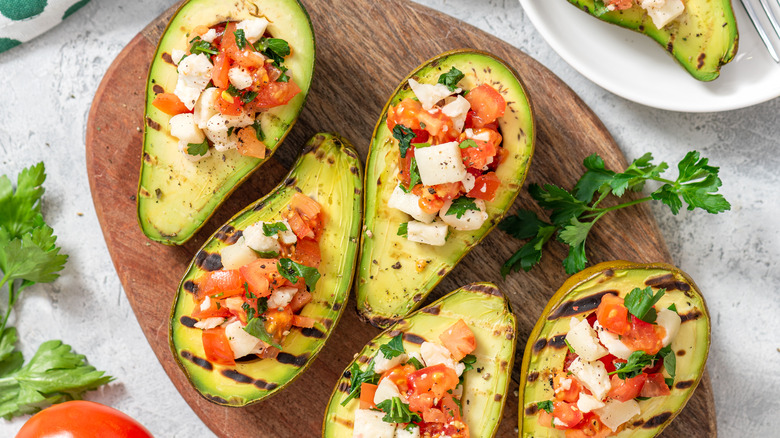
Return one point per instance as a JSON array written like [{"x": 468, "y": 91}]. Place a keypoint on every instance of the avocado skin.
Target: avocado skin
[
  {"x": 577, "y": 297},
  {"x": 176, "y": 196},
  {"x": 389, "y": 284},
  {"x": 487, "y": 312},
  {"x": 330, "y": 169},
  {"x": 702, "y": 40}
]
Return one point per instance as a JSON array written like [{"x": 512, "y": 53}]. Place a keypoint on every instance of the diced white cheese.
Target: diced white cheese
[
  {"x": 583, "y": 340},
  {"x": 470, "y": 220},
  {"x": 240, "y": 77},
  {"x": 184, "y": 149},
  {"x": 281, "y": 297},
  {"x": 177, "y": 55},
  {"x": 670, "y": 321},
  {"x": 210, "y": 323},
  {"x": 241, "y": 342},
  {"x": 206, "y": 106},
  {"x": 592, "y": 375},
  {"x": 234, "y": 304},
  {"x": 434, "y": 233},
  {"x": 237, "y": 255},
  {"x": 482, "y": 136},
  {"x": 386, "y": 390},
  {"x": 409, "y": 203},
  {"x": 287, "y": 237},
  {"x": 410, "y": 431},
  {"x": 209, "y": 36},
  {"x": 218, "y": 129},
  {"x": 468, "y": 182},
  {"x": 382, "y": 364},
  {"x": 434, "y": 354},
  {"x": 416, "y": 355},
  {"x": 440, "y": 164},
  {"x": 565, "y": 385},
  {"x": 457, "y": 110},
  {"x": 258, "y": 241},
  {"x": 253, "y": 28},
  {"x": 194, "y": 75},
  {"x": 184, "y": 128},
  {"x": 615, "y": 413},
  {"x": 557, "y": 422},
  {"x": 587, "y": 403},
  {"x": 612, "y": 342},
  {"x": 205, "y": 304},
  {"x": 429, "y": 94},
  {"x": 662, "y": 12},
  {"x": 369, "y": 424}
]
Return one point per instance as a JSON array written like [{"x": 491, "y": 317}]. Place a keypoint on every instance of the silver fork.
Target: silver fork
[{"x": 760, "y": 28}]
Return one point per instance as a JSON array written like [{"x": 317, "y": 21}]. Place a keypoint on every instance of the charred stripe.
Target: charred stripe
[
  {"x": 532, "y": 377},
  {"x": 557, "y": 342},
  {"x": 690, "y": 316},
  {"x": 216, "y": 399},
  {"x": 685, "y": 384},
  {"x": 190, "y": 286},
  {"x": 186, "y": 321},
  {"x": 484, "y": 288},
  {"x": 668, "y": 282},
  {"x": 414, "y": 339},
  {"x": 432, "y": 310},
  {"x": 236, "y": 376},
  {"x": 262, "y": 384},
  {"x": 657, "y": 420},
  {"x": 539, "y": 345},
  {"x": 289, "y": 359},
  {"x": 344, "y": 387},
  {"x": 586, "y": 304},
  {"x": 312, "y": 332},
  {"x": 199, "y": 361},
  {"x": 208, "y": 262}
]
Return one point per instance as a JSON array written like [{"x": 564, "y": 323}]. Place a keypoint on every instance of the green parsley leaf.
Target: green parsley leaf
[
  {"x": 404, "y": 136},
  {"x": 256, "y": 328},
  {"x": 670, "y": 361},
  {"x": 640, "y": 302},
  {"x": 258, "y": 130},
  {"x": 198, "y": 45},
  {"x": 467, "y": 143},
  {"x": 198, "y": 148},
  {"x": 417, "y": 364},
  {"x": 275, "y": 48},
  {"x": 599, "y": 8},
  {"x": 526, "y": 225},
  {"x": 411, "y": 427},
  {"x": 250, "y": 311},
  {"x": 267, "y": 254},
  {"x": 393, "y": 348},
  {"x": 633, "y": 367},
  {"x": 546, "y": 406},
  {"x": 357, "y": 378},
  {"x": 273, "y": 228},
  {"x": 20, "y": 210},
  {"x": 241, "y": 41},
  {"x": 403, "y": 229},
  {"x": 469, "y": 360},
  {"x": 292, "y": 271},
  {"x": 248, "y": 97},
  {"x": 460, "y": 205},
  {"x": 451, "y": 78},
  {"x": 563, "y": 204},
  {"x": 414, "y": 174},
  {"x": 566, "y": 341},
  {"x": 233, "y": 91},
  {"x": 397, "y": 411},
  {"x": 673, "y": 308}
]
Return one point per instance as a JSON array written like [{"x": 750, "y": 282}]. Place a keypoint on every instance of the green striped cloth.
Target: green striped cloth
[{"x": 23, "y": 20}]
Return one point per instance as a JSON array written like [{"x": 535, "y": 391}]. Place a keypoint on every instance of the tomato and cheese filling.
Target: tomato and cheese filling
[
  {"x": 618, "y": 356},
  {"x": 449, "y": 148},
  {"x": 267, "y": 277},
  {"x": 414, "y": 394},
  {"x": 662, "y": 12},
  {"x": 229, "y": 73}
]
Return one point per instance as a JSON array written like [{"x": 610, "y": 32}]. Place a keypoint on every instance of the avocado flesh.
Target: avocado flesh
[
  {"x": 328, "y": 171},
  {"x": 702, "y": 39},
  {"x": 541, "y": 359},
  {"x": 485, "y": 310},
  {"x": 390, "y": 284},
  {"x": 176, "y": 196}
]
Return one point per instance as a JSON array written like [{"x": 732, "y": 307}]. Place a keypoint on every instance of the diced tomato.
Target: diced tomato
[
  {"x": 275, "y": 94},
  {"x": 420, "y": 403},
  {"x": 568, "y": 395},
  {"x": 399, "y": 375},
  {"x": 216, "y": 308},
  {"x": 405, "y": 113},
  {"x": 367, "y": 391},
  {"x": 609, "y": 362},
  {"x": 439, "y": 125},
  {"x": 227, "y": 104},
  {"x": 245, "y": 57},
  {"x": 260, "y": 78},
  {"x": 459, "y": 339},
  {"x": 479, "y": 157},
  {"x": 170, "y": 104},
  {"x": 299, "y": 226},
  {"x": 437, "y": 380},
  {"x": 269, "y": 352},
  {"x": 567, "y": 413},
  {"x": 655, "y": 386},
  {"x": 259, "y": 275},
  {"x": 450, "y": 408},
  {"x": 485, "y": 187},
  {"x": 217, "y": 347},
  {"x": 620, "y": 4},
  {"x": 434, "y": 415},
  {"x": 628, "y": 389},
  {"x": 421, "y": 136},
  {"x": 429, "y": 202},
  {"x": 303, "y": 321},
  {"x": 305, "y": 205},
  {"x": 405, "y": 166},
  {"x": 278, "y": 322},
  {"x": 487, "y": 104},
  {"x": 570, "y": 357},
  {"x": 214, "y": 282},
  {"x": 613, "y": 315},
  {"x": 644, "y": 336},
  {"x": 590, "y": 427},
  {"x": 248, "y": 143},
  {"x": 219, "y": 74},
  {"x": 307, "y": 252},
  {"x": 300, "y": 299}
]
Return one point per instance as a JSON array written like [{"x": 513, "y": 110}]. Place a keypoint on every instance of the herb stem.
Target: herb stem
[{"x": 598, "y": 212}]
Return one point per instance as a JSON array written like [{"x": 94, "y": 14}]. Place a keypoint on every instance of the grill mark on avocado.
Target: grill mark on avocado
[
  {"x": 344, "y": 387},
  {"x": 236, "y": 376},
  {"x": 190, "y": 286},
  {"x": 685, "y": 384},
  {"x": 497, "y": 397},
  {"x": 576, "y": 307},
  {"x": 668, "y": 282},
  {"x": 215, "y": 399},
  {"x": 336, "y": 306},
  {"x": 350, "y": 153},
  {"x": 259, "y": 206},
  {"x": 353, "y": 170},
  {"x": 557, "y": 342},
  {"x": 432, "y": 310},
  {"x": 228, "y": 233},
  {"x": 417, "y": 298},
  {"x": 414, "y": 339},
  {"x": 532, "y": 377},
  {"x": 152, "y": 124},
  {"x": 262, "y": 384},
  {"x": 345, "y": 422},
  {"x": 148, "y": 159},
  {"x": 158, "y": 89},
  {"x": 312, "y": 332},
  {"x": 700, "y": 60},
  {"x": 539, "y": 345},
  {"x": 531, "y": 410},
  {"x": 199, "y": 361},
  {"x": 167, "y": 58},
  {"x": 290, "y": 359},
  {"x": 485, "y": 289},
  {"x": 657, "y": 420},
  {"x": 690, "y": 316},
  {"x": 208, "y": 262},
  {"x": 381, "y": 321},
  {"x": 186, "y": 321},
  {"x": 290, "y": 181}
]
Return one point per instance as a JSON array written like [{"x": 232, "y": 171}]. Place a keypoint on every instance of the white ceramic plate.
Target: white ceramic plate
[{"x": 635, "y": 67}]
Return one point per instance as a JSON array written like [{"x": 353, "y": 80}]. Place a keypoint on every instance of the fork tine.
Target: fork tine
[
  {"x": 771, "y": 15},
  {"x": 760, "y": 29}
]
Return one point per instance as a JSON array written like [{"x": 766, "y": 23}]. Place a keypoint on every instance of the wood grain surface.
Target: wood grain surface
[{"x": 364, "y": 47}]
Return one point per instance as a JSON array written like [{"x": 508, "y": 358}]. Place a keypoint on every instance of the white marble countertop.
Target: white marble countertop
[{"x": 734, "y": 257}]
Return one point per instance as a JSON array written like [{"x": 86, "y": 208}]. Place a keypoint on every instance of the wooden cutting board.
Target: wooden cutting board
[{"x": 364, "y": 48}]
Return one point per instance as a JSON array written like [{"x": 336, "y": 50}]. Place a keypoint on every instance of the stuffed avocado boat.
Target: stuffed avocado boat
[
  {"x": 264, "y": 293},
  {"x": 700, "y": 34},
  {"x": 448, "y": 156},
  {"x": 225, "y": 86},
  {"x": 442, "y": 371},
  {"x": 618, "y": 351}
]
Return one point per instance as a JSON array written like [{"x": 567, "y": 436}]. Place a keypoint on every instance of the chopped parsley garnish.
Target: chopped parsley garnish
[
  {"x": 267, "y": 254},
  {"x": 248, "y": 97},
  {"x": 633, "y": 367},
  {"x": 451, "y": 78},
  {"x": 460, "y": 205},
  {"x": 397, "y": 411},
  {"x": 233, "y": 91},
  {"x": 258, "y": 130},
  {"x": 292, "y": 271},
  {"x": 404, "y": 136},
  {"x": 670, "y": 363},
  {"x": 357, "y": 378},
  {"x": 639, "y": 303},
  {"x": 569, "y": 345},
  {"x": 416, "y": 363},
  {"x": 274, "y": 228},
  {"x": 256, "y": 328},
  {"x": 546, "y": 406},
  {"x": 199, "y": 45},
  {"x": 469, "y": 360},
  {"x": 467, "y": 143},
  {"x": 241, "y": 41},
  {"x": 403, "y": 229},
  {"x": 414, "y": 176},
  {"x": 276, "y": 49},
  {"x": 673, "y": 308},
  {"x": 198, "y": 148},
  {"x": 393, "y": 348}
]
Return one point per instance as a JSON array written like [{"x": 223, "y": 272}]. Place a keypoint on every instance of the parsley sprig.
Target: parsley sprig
[
  {"x": 394, "y": 348},
  {"x": 293, "y": 270},
  {"x": 397, "y": 411},
  {"x": 404, "y": 135},
  {"x": 573, "y": 214},
  {"x": 274, "y": 228},
  {"x": 358, "y": 377},
  {"x": 460, "y": 205},
  {"x": 451, "y": 78},
  {"x": 640, "y": 302},
  {"x": 277, "y": 49}
]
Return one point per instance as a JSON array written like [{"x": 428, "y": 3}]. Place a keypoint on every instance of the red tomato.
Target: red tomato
[
  {"x": 82, "y": 419},
  {"x": 399, "y": 376},
  {"x": 248, "y": 143},
  {"x": 300, "y": 299},
  {"x": 459, "y": 339},
  {"x": 450, "y": 408},
  {"x": 434, "y": 415},
  {"x": 566, "y": 413},
  {"x": 245, "y": 57},
  {"x": 485, "y": 186},
  {"x": 429, "y": 202},
  {"x": 644, "y": 336},
  {"x": 276, "y": 94},
  {"x": 227, "y": 104},
  {"x": 278, "y": 322},
  {"x": 545, "y": 419},
  {"x": 439, "y": 125},
  {"x": 215, "y": 282},
  {"x": 219, "y": 74},
  {"x": 307, "y": 252},
  {"x": 303, "y": 321},
  {"x": 487, "y": 104},
  {"x": 655, "y": 386},
  {"x": 169, "y": 103},
  {"x": 405, "y": 166},
  {"x": 216, "y": 308},
  {"x": 437, "y": 380},
  {"x": 405, "y": 113},
  {"x": 299, "y": 226},
  {"x": 625, "y": 390},
  {"x": 259, "y": 275},
  {"x": 479, "y": 157},
  {"x": 609, "y": 362},
  {"x": 590, "y": 427},
  {"x": 613, "y": 315},
  {"x": 568, "y": 395},
  {"x": 217, "y": 347},
  {"x": 367, "y": 392},
  {"x": 305, "y": 206},
  {"x": 420, "y": 403}
]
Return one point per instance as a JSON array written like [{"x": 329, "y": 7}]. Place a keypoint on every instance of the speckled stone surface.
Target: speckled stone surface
[{"x": 49, "y": 84}]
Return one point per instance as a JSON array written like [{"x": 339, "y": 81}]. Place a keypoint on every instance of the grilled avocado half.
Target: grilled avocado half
[
  {"x": 579, "y": 296},
  {"x": 328, "y": 171},
  {"x": 396, "y": 274},
  {"x": 487, "y": 313},
  {"x": 702, "y": 39},
  {"x": 176, "y": 196}
]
